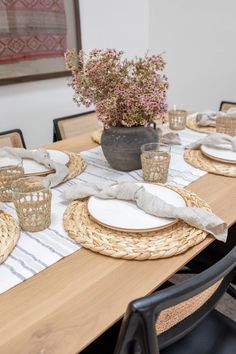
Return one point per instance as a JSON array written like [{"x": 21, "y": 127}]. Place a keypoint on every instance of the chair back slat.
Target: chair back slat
[
  {"x": 174, "y": 315},
  {"x": 12, "y": 138},
  {"x": 75, "y": 125},
  {"x": 225, "y": 105},
  {"x": 5, "y": 141}
]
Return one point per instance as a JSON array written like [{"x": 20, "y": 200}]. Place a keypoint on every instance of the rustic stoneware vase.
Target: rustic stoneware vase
[{"x": 122, "y": 145}]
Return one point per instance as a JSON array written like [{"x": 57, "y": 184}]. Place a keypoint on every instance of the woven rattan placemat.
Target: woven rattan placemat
[
  {"x": 197, "y": 159},
  {"x": 9, "y": 234},
  {"x": 97, "y": 135},
  {"x": 168, "y": 242},
  {"x": 191, "y": 124}
]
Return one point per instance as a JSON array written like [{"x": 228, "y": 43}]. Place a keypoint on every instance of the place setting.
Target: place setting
[
  {"x": 27, "y": 179},
  {"x": 34, "y": 161},
  {"x": 133, "y": 233},
  {"x": 215, "y": 153},
  {"x": 210, "y": 121},
  {"x": 142, "y": 220}
]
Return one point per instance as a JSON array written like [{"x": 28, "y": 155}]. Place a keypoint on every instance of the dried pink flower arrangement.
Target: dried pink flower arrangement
[{"x": 124, "y": 92}]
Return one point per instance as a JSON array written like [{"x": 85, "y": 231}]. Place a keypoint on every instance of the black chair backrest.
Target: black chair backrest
[
  {"x": 139, "y": 333},
  {"x": 12, "y": 138},
  {"x": 225, "y": 105}
]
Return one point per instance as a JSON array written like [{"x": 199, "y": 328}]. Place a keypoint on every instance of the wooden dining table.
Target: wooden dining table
[{"x": 62, "y": 309}]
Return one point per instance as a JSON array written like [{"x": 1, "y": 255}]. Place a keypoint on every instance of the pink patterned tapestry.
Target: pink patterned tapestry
[{"x": 31, "y": 29}]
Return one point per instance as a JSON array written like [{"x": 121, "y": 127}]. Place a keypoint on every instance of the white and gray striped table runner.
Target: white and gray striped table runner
[{"x": 37, "y": 251}]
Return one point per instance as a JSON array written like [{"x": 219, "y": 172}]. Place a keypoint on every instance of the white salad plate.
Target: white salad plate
[
  {"x": 126, "y": 216},
  {"x": 223, "y": 153},
  {"x": 34, "y": 168}
]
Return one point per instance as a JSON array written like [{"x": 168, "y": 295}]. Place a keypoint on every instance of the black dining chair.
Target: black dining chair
[{"x": 181, "y": 319}]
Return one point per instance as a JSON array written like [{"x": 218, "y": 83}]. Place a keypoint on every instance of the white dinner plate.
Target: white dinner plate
[
  {"x": 9, "y": 161},
  {"x": 223, "y": 153},
  {"x": 126, "y": 216},
  {"x": 33, "y": 167}
]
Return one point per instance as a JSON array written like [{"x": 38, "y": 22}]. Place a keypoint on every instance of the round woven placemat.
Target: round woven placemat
[
  {"x": 199, "y": 160},
  {"x": 9, "y": 234},
  {"x": 168, "y": 242},
  {"x": 76, "y": 165},
  {"x": 97, "y": 135},
  {"x": 191, "y": 124}
]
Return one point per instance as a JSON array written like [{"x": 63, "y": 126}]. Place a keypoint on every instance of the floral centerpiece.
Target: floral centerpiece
[{"x": 126, "y": 93}]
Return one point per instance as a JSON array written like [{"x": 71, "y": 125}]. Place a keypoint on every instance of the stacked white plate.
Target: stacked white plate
[
  {"x": 223, "y": 153},
  {"x": 34, "y": 168},
  {"x": 126, "y": 216}
]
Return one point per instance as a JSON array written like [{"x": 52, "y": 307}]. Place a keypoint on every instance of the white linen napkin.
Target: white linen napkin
[
  {"x": 197, "y": 217},
  {"x": 219, "y": 140},
  {"x": 42, "y": 157},
  {"x": 166, "y": 136},
  {"x": 208, "y": 118},
  {"x": 231, "y": 111},
  {"x": 171, "y": 138}
]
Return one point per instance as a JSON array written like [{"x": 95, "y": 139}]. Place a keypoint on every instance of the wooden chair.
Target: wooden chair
[
  {"x": 225, "y": 105},
  {"x": 78, "y": 124},
  {"x": 12, "y": 138},
  {"x": 181, "y": 319}
]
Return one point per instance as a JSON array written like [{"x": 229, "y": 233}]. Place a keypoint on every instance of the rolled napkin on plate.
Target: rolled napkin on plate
[
  {"x": 196, "y": 217},
  {"x": 42, "y": 157},
  {"x": 219, "y": 140},
  {"x": 208, "y": 118}
]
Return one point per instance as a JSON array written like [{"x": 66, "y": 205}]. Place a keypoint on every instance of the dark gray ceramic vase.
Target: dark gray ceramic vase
[{"x": 122, "y": 146}]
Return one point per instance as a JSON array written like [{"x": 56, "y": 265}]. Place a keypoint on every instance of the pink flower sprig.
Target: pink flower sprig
[{"x": 125, "y": 92}]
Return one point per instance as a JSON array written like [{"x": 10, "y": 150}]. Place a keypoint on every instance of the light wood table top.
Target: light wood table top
[
  {"x": 65, "y": 307},
  {"x": 75, "y": 144}
]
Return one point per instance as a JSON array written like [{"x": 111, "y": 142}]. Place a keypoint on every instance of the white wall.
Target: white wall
[
  {"x": 121, "y": 24},
  {"x": 33, "y": 106},
  {"x": 197, "y": 36},
  {"x": 199, "y": 40}
]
